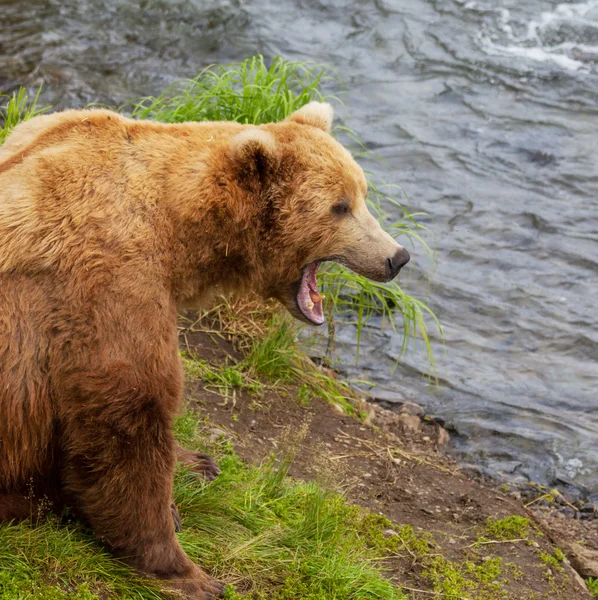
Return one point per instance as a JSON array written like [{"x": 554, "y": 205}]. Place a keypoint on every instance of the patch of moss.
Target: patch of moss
[
  {"x": 509, "y": 528},
  {"x": 553, "y": 560},
  {"x": 386, "y": 538},
  {"x": 482, "y": 579},
  {"x": 473, "y": 579},
  {"x": 447, "y": 579}
]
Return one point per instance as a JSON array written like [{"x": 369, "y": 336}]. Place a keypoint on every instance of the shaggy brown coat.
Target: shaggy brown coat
[{"x": 107, "y": 227}]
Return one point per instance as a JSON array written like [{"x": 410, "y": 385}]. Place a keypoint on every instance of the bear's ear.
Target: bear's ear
[
  {"x": 316, "y": 114},
  {"x": 255, "y": 154}
]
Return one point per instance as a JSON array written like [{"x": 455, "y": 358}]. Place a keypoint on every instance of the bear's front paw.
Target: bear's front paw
[{"x": 198, "y": 463}]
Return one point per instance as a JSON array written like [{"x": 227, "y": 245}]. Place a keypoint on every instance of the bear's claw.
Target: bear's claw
[
  {"x": 176, "y": 517},
  {"x": 218, "y": 591},
  {"x": 201, "y": 587},
  {"x": 199, "y": 463}
]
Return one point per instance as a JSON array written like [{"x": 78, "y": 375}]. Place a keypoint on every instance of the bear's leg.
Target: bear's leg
[
  {"x": 118, "y": 475},
  {"x": 198, "y": 463}
]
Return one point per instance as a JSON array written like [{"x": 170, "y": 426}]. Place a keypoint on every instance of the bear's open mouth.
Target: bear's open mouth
[{"x": 309, "y": 299}]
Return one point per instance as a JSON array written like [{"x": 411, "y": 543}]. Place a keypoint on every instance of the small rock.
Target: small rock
[
  {"x": 215, "y": 434},
  {"x": 443, "y": 436},
  {"x": 568, "y": 512},
  {"x": 588, "y": 508},
  {"x": 584, "y": 560},
  {"x": 516, "y": 495},
  {"x": 426, "y": 438},
  {"x": 390, "y": 533},
  {"x": 411, "y": 408},
  {"x": 571, "y": 496},
  {"x": 410, "y": 422}
]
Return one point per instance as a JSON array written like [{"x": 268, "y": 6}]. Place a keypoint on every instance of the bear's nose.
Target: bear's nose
[{"x": 394, "y": 264}]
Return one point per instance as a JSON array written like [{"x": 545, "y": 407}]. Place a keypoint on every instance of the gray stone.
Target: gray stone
[
  {"x": 584, "y": 560},
  {"x": 411, "y": 408},
  {"x": 215, "y": 434}
]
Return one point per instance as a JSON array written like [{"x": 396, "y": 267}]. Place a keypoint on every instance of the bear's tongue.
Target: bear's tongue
[{"x": 308, "y": 297}]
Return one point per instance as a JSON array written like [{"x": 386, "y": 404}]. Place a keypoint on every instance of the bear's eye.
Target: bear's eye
[{"x": 341, "y": 208}]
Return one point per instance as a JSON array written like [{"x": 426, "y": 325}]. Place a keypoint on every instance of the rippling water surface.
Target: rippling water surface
[{"x": 485, "y": 113}]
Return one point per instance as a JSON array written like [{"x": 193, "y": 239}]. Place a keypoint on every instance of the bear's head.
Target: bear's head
[{"x": 310, "y": 197}]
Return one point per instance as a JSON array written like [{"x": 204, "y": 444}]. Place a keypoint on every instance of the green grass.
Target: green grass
[
  {"x": 246, "y": 92},
  {"x": 55, "y": 562},
  {"x": 272, "y": 359},
  {"x": 275, "y": 355},
  {"x": 509, "y": 528},
  {"x": 555, "y": 559},
  {"x": 593, "y": 586},
  {"x": 267, "y": 537},
  {"x": 18, "y": 107}
]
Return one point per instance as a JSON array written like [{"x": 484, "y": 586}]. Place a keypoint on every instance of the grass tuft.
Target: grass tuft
[
  {"x": 246, "y": 92},
  {"x": 19, "y": 107},
  {"x": 273, "y": 357},
  {"x": 509, "y": 528}
]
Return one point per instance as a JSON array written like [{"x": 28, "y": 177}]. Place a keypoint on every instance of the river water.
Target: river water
[{"x": 485, "y": 113}]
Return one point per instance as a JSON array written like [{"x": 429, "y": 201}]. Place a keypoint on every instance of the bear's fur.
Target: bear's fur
[{"x": 107, "y": 227}]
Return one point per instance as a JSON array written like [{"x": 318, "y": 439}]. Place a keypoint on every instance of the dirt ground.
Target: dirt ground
[{"x": 403, "y": 473}]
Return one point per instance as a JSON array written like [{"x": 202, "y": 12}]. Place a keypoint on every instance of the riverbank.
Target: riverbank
[
  {"x": 445, "y": 532},
  {"x": 321, "y": 495}
]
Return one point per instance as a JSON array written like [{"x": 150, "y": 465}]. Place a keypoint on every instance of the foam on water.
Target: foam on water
[{"x": 566, "y": 36}]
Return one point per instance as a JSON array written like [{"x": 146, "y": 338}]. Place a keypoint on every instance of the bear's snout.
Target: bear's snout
[{"x": 396, "y": 263}]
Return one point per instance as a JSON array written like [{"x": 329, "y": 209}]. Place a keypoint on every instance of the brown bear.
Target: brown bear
[{"x": 107, "y": 227}]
